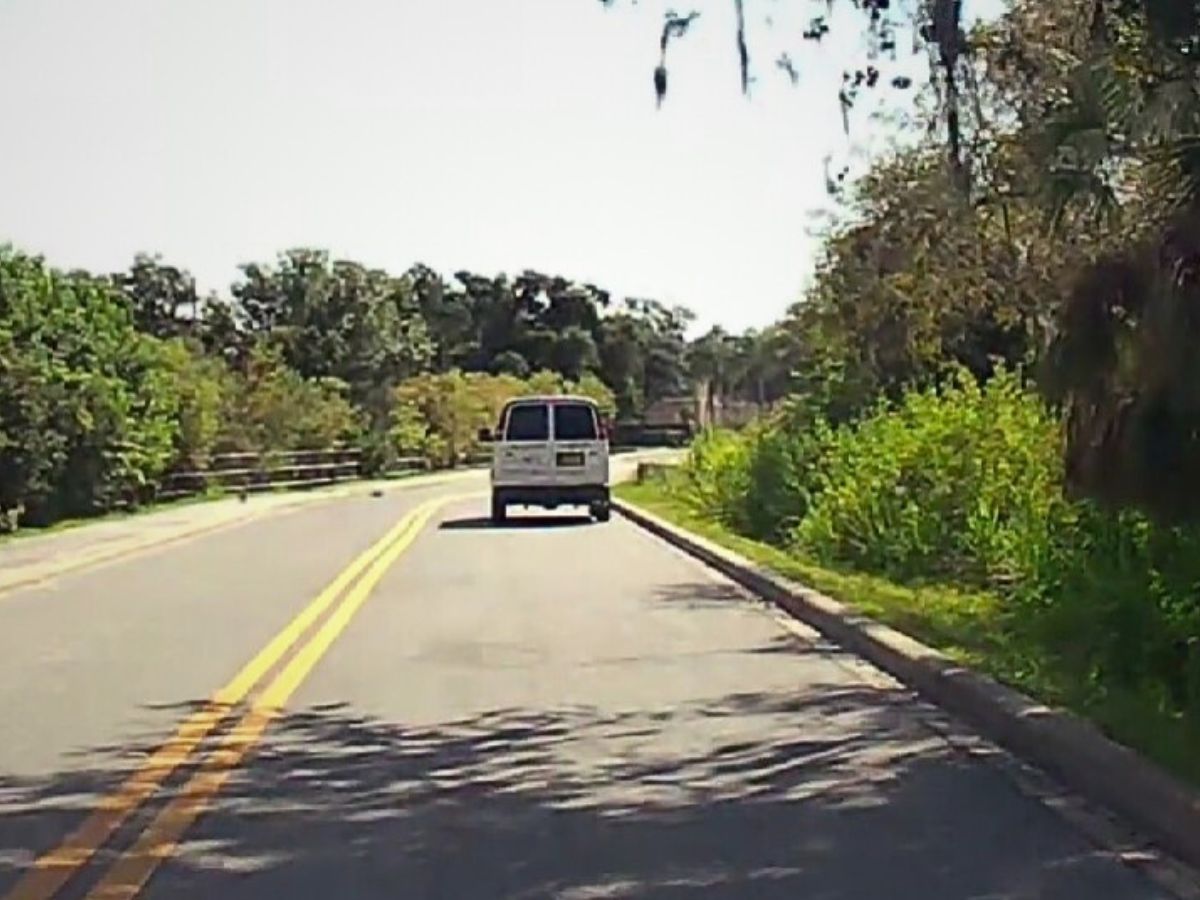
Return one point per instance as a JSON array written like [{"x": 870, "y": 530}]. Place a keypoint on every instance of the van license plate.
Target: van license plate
[{"x": 570, "y": 459}]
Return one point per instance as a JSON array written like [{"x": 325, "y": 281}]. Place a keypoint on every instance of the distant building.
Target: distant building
[
  {"x": 672, "y": 411},
  {"x": 702, "y": 410}
]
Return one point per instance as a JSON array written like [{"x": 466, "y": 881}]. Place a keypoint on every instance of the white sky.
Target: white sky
[{"x": 492, "y": 135}]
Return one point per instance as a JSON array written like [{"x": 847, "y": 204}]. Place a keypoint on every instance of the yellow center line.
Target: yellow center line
[
  {"x": 53, "y": 869},
  {"x": 129, "y": 874}
]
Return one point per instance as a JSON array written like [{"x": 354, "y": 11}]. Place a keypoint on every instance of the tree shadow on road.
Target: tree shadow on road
[
  {"x": 834, "y": 794},
  {"x": 703, "y": 593}
]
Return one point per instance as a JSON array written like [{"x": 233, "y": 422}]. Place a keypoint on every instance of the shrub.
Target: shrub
[
  {"x": 272, "y": 407},
  {"x": 964, "y": 485},
  {"x": 786, "y": 453},
  {"x": 961, "y": 483},
  {"x": 716, "y": 476},
  {"x": 1122, "y": 607},
  {"x": 441, "y": 415}
]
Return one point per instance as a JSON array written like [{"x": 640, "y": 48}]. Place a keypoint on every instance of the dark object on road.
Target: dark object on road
[
  {"x": 482, "y": 523},
  {"x": 594, "y": 497}
]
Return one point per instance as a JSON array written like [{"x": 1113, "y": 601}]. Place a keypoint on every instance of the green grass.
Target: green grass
[{"x": 972, "y": 627}]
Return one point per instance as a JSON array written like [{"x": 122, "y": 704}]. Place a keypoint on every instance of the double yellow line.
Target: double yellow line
[{"x": 130, "y": 872}]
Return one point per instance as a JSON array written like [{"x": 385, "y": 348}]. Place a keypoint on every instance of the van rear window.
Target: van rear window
[
  {"x": 528, "y": 422},
  {"x": 574, "y": 422}
]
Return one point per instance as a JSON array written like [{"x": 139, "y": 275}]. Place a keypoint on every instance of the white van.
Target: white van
[{"x": 549, "y": 451}]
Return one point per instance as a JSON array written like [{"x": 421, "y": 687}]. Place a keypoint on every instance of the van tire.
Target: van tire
[
  {"x": 601, "y": 512},
  {"x": 499, "y": 511}
]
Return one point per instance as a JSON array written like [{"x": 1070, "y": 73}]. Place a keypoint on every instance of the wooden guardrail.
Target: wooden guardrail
[
  {"x": 278, "y": 470},
  {"x": 282, "y": 470}
]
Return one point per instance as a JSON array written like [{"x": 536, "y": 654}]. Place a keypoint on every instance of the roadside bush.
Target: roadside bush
[
  {"x": 963, "y": 487},
  {"x": 962, "y": 483},
  {"x": 438, "y": 415},
  {"x": 408, "y": 430},
  {"x": 786, "y": 455},
  {"x": 545, "y": 381},
  {"x": 717, "y": 476},
  {"x": 272, "y": 407},
  {"x": 1121, "y": 606},
  {"x": 761, "y": 480}
]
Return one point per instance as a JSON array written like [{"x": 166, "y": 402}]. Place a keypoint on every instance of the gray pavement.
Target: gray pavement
[
  {"x": 33, "y": 558},
  {"x": 551, "y": 709}
]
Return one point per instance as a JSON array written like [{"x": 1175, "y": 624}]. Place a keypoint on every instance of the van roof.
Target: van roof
[{"x": 552, "y": 398}]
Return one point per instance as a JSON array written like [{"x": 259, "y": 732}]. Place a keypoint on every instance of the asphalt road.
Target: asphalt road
[{"x": 550, "y": 709}]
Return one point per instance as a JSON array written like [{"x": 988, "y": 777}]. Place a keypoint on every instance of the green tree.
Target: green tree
[
  {"x": 1118, "y": 147},
  {"x": 622, "y": 360},
  {"x": 339, "y": 319},
  {"x": 574, "y": 352},
  {"x": 641, "y": 350},
  {"x": 202, "y": 384},
  {"x": 273, "y": 407},
  {"x": 87, "y": 404},
  {"x": 448, "y": 316},
  {"x": 590, "y": 385},
  {"x": 162, "y": 298},
  {"x": 450, "y": 411},
  {"x": 510, "y": 362}
]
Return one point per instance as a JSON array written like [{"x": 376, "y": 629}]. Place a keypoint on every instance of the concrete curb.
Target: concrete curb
[{"x": 1072, "y": 750}]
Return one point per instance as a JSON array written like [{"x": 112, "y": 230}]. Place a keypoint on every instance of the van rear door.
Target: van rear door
[
  {"x": 580, "y": 451},
  {"x": 524, "y": 455}
]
